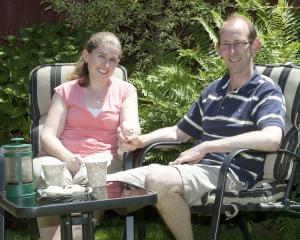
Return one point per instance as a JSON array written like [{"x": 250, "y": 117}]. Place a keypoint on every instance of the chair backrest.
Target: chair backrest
[
  {"x": 288, "y": 78},
  {"x": 43, "y": 80}
]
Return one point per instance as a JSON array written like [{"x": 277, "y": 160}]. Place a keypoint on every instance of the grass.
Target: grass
[{"x": 112, "y": 227}]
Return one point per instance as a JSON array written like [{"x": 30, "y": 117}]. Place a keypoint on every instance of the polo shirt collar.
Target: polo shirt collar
[{"x": 245, "y": 89}]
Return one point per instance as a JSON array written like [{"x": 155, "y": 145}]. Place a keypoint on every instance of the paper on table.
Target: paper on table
[{"x": 69, "y": 190}]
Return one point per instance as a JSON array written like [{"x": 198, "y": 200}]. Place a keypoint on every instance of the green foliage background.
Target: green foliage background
[
  {"x": 18, "y": 56},
  {"x": 168, "y": 50}
]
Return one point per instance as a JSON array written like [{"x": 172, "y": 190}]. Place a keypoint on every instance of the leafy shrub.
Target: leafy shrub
[
  {"x": 34, "y": 46},
  {"x": 147, "y": 29},
  {"x": 168, "y": 46}
]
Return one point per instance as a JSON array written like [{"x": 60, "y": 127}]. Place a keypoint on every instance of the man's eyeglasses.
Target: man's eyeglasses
[{"x": 236, "y": 45}]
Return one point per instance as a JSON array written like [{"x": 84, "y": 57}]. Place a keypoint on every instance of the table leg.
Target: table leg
[
  {"x": 88, "y": 226},
  {"x": 2, "y": 192},
  {"x": 2, "y": 222},
  {"x": 129, "y": 228},
  {"x": 66, "y": 227},
  {"x": 33, "y": 229}
]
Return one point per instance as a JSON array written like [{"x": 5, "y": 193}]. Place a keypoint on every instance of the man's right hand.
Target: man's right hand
[{"x": 128, "y": 143}]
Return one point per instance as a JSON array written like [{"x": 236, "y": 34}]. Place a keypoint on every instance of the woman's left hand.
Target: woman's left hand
[{"x": 74, "y": 163}]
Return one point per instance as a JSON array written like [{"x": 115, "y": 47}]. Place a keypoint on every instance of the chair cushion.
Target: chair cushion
[
  {"x": 287, "y": 76},
  {"x": 279, "y": 166},
  {"x": 266, "y": 191},
  {"x": 43, "y": 80}
]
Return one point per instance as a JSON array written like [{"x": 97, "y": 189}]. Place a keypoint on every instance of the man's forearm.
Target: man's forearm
[
  {"x": 266, "y": 140},
  {"x": 171, "y": 134}
]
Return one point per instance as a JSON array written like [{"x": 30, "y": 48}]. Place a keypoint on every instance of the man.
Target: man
[{"x": 240, "y": 110}]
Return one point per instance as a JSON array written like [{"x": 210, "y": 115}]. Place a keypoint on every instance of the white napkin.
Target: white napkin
[{"x": 63, "y": 191}]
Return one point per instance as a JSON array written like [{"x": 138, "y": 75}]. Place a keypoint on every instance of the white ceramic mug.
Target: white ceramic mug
[
  {"x": 96, "y": 169},
  {"x": 54, "y": 173}
]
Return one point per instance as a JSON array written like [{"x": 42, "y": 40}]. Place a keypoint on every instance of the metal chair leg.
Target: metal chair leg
[
  {"x": 141, "y": 225},
  {"x": 242, "y": 223}
]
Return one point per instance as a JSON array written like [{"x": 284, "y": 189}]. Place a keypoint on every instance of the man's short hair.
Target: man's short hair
[{"x": 252, "y": 31}]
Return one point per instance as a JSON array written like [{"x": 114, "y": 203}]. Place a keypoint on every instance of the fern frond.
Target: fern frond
[{"x": 212, "y": 35}]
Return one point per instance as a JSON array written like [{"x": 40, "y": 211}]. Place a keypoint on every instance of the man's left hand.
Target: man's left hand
[{"x": 190, "y": 156}]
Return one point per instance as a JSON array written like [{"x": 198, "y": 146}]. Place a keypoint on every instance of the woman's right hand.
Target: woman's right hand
[{"x": 73, "y": 163}]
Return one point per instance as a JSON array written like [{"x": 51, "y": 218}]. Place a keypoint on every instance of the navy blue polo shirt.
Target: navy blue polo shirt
[{"x": 216, "y": 115}]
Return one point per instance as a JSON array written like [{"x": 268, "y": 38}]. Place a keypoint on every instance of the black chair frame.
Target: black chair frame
[{"x": 286, "y": 205}]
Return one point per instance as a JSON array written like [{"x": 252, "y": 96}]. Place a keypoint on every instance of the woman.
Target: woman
[{"x": 85, "y": 115}]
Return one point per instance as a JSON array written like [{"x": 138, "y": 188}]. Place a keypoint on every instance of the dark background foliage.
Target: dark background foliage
[{"x": 168, "y": 51}]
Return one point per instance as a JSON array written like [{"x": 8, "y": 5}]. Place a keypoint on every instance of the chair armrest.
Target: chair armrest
[
  {"x": 136, "y": 158},
  {"x": 160, "y": 145},
  {"x": 220, "y": 191}
]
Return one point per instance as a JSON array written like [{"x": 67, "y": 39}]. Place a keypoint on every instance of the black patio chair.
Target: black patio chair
[
  {"x": 281, "y": 168},
  {"x": 43, "y": 80}
]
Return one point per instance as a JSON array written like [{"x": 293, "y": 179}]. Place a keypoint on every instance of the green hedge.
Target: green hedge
[
  {"x": 169, "y": 53},
  {"x": 168, "y": 46},
  {"x": 18, "y": 56}
]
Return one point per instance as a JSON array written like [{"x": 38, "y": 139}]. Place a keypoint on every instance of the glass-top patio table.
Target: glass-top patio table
[{"x": 118, "y": 196}]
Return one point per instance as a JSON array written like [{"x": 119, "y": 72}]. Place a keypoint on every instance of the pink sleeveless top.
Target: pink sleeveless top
[{"x": 85, "y": 134}]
